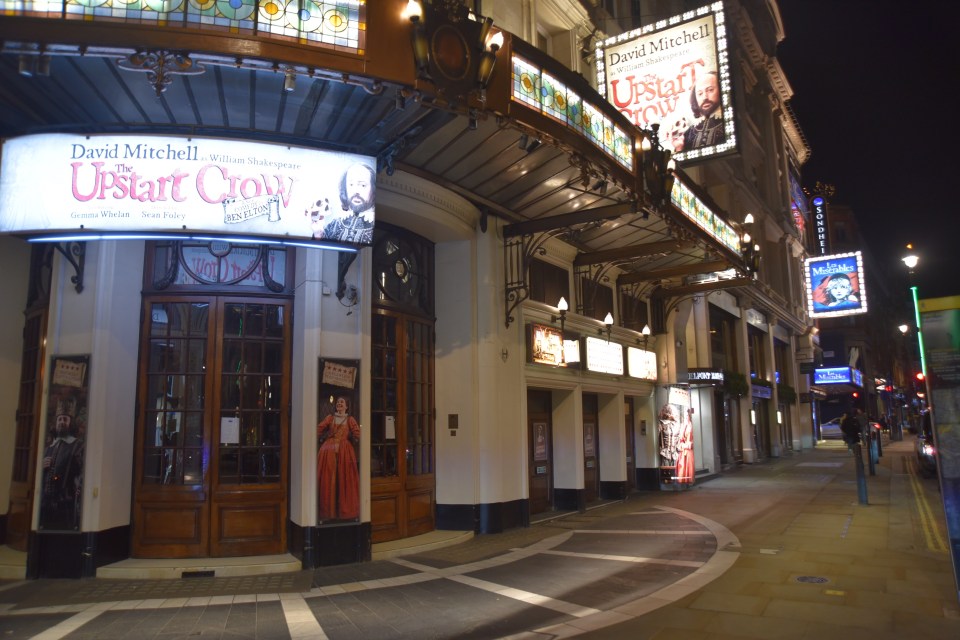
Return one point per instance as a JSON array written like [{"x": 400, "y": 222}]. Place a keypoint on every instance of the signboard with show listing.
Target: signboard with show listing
[
  {"x": 835, "y": 285},
  {"x": 159, "y": 185},
  {"x": 674, "y": 73},
  {"x": 603, "y": 356},
  {"x": 641, "y": 364}
]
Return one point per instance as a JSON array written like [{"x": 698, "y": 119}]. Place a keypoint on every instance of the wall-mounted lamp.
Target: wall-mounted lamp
[
  {"x": 608, "y": 326},
  {"x": 748, "y": 248},
  {"x": 418, "y": 37},
  {"x": 488, "y": 59},
  {"x": 658, "y": 165},
  {"x": 644, "y": 336},
  {"x": 289, "y": 80},
  {"x": 562, "y": 307}
]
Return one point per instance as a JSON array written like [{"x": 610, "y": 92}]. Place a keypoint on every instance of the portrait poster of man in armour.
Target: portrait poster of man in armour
[
  {"x": 338, "y": 442},
  {"x": 61, "y": 490},
  {"x": 675, "y": 437}
]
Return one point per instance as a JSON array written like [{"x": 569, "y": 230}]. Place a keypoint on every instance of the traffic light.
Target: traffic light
[
  {"x": 856, "y": 394},
  {"x": 920, "y": 376}
]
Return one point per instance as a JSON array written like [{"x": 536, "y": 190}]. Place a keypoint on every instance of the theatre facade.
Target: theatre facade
[{"x": 308, "y": 279}]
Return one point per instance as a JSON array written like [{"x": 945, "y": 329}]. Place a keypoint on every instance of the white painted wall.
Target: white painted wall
[
  {"x": 459, "y": 354},
  {"x": 102, "y": 321}
]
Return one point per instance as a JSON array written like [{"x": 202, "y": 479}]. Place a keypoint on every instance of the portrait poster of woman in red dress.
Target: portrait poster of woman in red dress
[{"x": 338, "y": 444}]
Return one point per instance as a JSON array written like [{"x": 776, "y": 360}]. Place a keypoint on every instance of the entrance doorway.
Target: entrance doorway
[
  {"x": 761, "y": 428},
  {"x": 591, "y": 449},
  {"x": 402, "y": 492},
  {"x": 28, "y": 418},
  {"x": 540, "y": 430},
  {"x": 402, "y": 407},
  {"x": 213, "y": 425}
]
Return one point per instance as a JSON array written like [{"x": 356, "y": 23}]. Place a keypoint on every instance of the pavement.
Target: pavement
[{"x": 781, "y": 549}]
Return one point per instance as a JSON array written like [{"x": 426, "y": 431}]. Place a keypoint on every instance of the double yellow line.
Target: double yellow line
[{"x": 931, "y": 532}]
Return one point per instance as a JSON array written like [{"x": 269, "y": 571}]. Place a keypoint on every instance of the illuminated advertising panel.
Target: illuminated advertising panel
[
  {"x": 822, "y": 242},
  {"x": 548, "y": 346},
  {"x": 798, "y": 204},
  {"x": 641, "y": 364},
  {"x": 835, "y": 285},
  {"x": 837, "y": 375},
  {"x": 675, "y": 74},
  {"x": 704, "y": 376},
  {"x": 604, "y": 357},
  {"x": 64, "y": 183}
]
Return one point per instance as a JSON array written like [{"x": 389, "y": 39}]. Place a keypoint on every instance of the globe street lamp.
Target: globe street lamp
[{"x": 911, "y": 260}]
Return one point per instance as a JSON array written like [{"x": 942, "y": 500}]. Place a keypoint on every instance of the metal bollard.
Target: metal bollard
[{"x": 861, "y": 480}]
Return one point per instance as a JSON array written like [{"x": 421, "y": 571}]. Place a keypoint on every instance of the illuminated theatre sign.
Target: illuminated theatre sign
[
  {"x": 838, "y": 375},
  {"x": 54, "y": 184},
  {"x": 675, "y": 74},
  {"x": 835, "y": 285}
]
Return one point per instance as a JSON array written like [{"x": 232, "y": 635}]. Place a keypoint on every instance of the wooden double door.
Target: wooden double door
[
  {"x": 591, "y": 448},
  {"x": 402, "y": 456},
  {"x": 540, "y": 463},
  {"x": 212, "y": 437}
]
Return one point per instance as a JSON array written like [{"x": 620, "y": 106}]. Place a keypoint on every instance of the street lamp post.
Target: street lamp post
[{"x": 912, "y": 260}]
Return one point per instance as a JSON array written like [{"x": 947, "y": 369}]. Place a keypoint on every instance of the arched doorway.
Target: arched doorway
[
  {"x": 213, "y": 395},
  {"x": 403, "y": 486}
]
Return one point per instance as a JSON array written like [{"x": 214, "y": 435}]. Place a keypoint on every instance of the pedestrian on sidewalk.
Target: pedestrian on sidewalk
[{"x": 850, "y": 430}]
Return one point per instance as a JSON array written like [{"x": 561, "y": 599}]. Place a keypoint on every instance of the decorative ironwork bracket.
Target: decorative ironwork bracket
[
  {"x": 385, "y": 158},
  {"x": 518, "y": 251},
  {"x": 76, "y": 254},
  {"x": 592, "y": 275},
  {"x": 161, "y": 66}
]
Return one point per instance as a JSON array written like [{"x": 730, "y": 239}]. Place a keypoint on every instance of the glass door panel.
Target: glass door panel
[
  {"x": 175, "y": 382},
  {"x": 251, "y": 384}
]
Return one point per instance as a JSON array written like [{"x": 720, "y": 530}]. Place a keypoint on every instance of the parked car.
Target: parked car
[
  {"x": 830, "y": 430},
  {"x": 926, "y": 450}
]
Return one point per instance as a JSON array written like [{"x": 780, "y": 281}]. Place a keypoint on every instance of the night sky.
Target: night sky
[{"x": 876, "y": 92}]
